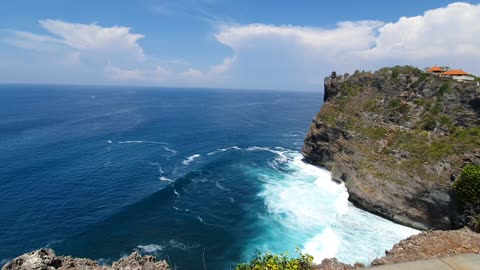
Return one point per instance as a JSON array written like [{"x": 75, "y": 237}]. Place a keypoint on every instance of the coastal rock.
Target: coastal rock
[
  {"x": 396, "y": 138},
  {"x": 432, "y": 244},
  {"x": 45, "y": 259},
  {"x": 334, "y": 264}
]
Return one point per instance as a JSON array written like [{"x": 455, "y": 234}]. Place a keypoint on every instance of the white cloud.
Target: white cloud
[
  {"x": 275, "y": 56},
  {"x": 444, "y": 32},
  {"x": 94, "y": 37},
  {"x": 293, "y": 56},
  {"x": 84, "y": 37}
]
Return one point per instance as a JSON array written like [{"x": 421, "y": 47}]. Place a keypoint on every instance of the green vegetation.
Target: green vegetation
[
  {"x": 443, "y": 89},
  {"x": 410, "y": 70},
  {"x": 467, "y": 187},
  {"x": 268, "y": 261},
  {"x": 394, "y": 103}
]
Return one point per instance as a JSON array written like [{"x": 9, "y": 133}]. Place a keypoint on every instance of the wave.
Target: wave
[
  {"x": 180, "y": 209},
  {"x": 158, "y": 166},
  {"x": 152, "y": 248},
  {"x": 172, "y": 152},
  {"x": 165, "y": 179},
  {"x": 224, "y": 150},
  {"x": 309, "y": 209},
  {"x": 201, "y": 220},
  {"x": 140, "y": 142},
  {"x": 176, "y": 193},
  {"x": 191, "y": 158},
  {"x": 180, "y": 245},
  {"x": 217, "y": 184}
]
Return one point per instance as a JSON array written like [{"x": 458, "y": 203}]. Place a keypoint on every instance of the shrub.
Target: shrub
[
  {"x": 394, "y": 103},
  {"x": 429, "y": 124},
  {"x": 268, "y": 261},
  {"x": 467, "y": 187},
  {"x": 443, "y": 89}
]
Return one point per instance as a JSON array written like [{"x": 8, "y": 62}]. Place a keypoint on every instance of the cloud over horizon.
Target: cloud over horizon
[{"x": 272, "y": 56}]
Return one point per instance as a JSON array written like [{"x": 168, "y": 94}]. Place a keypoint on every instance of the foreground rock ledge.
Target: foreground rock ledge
[
  {"x": 45, "y": 259},
  {"x": 423, "y": 246}
]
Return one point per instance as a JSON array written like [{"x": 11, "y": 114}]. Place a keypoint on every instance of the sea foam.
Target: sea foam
[
  {"x": 152, "y": 248},
  {"x": 306, "y": 209},
  {"x": 189, "y": 159}
]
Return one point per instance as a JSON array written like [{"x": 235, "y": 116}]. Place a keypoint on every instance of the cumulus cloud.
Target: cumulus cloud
[
  {"x": 81, "y": 37},
  {"x": 276, "y": 56},
  {"x": 295, "y": 56}
]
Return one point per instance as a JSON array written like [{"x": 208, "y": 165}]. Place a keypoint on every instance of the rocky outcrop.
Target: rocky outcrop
[
  {"x": 432, "y": 244},
  {"x": 398, "y": 137},
  {"x": 45, "y": 259}
]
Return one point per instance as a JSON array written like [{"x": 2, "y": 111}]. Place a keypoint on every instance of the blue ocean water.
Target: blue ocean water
[{"x": 183, "y": 174}]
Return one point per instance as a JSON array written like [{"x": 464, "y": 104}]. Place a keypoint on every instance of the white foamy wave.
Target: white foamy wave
[
  {"x": 180, "y": 245},
  {"x": 224, "y": 150},
  {"x": 217, "y": 184},
  {"x": 180, "y": 209},
  {"x": 322, "y": 246},
  {"x": 280, "y": 151},
  {"x": 176, "y": 193},
  {"x": 201, "y": 220},
  {"x": 109, "y": 141},
  {"x": 165, "y": 179},
  {"x": 140, "y": 142},
  {"x": 4, "y": 261},
  {"x": 172, "y": 152},
  {"x": 156, "y": 164},
  {"x": 191, "y": 158},
  {"x": 310, "y": 210},
  {"x": 152, "y": 248}
]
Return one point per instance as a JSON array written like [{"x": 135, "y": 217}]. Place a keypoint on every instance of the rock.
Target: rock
[
  {"x": 372, "y": 134},
  {"x": 432, "y": 244},
  {"x": 45, "y": 259},
  {"x": 334, "y": 264}
]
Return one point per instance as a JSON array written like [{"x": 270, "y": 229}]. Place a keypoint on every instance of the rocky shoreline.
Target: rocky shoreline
[
  {"x": 45, "y": 259},
  {"x": 426, "y": 245}
]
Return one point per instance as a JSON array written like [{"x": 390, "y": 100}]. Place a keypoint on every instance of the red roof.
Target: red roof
[
  {"x": 435, "y": 69},
  {"x": 455, "y": 72}
]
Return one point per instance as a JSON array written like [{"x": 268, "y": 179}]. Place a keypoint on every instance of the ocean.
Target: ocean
[{"x": 183, "y": 174}]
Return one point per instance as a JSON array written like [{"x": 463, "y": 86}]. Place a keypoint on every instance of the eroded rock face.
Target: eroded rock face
[
  {"x": 398, "y": 138},
  {"x": 432, "y": 244},
  {"x": 45, "y": 259}
]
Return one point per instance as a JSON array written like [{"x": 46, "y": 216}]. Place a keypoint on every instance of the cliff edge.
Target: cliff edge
[{"x": 398, "y": 138}]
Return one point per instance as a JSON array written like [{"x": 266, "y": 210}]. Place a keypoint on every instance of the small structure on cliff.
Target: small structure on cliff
[
  {"x": 458, "y": 74},
  {"x": 435, "y": 70}
]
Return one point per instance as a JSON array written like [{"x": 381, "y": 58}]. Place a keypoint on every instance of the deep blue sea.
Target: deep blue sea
[{"x": 100, "y": 172}]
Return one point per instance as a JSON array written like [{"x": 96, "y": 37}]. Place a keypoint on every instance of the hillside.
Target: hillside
[{"x": 398, "y": 138}]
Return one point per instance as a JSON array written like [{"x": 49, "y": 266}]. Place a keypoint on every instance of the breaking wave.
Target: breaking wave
[
  {"x": 152, "y": 248},
  {"x": 307, "y": 208},
  {"x": 190, "y": 159}
]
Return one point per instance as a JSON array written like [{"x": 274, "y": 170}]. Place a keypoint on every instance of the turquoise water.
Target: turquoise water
[{"x": 102, "y": 171}]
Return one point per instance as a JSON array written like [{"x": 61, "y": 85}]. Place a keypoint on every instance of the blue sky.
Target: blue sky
[{"x": 225, "y": 43}]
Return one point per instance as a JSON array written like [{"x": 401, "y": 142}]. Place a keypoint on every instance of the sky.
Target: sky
[{"x": 243, "y": 44}]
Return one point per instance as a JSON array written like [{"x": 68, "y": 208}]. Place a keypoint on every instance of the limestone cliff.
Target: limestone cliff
[{"x": 398, "y": 137}]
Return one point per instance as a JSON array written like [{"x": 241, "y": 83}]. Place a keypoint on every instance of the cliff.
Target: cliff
[{"x": 398, "y": 138}]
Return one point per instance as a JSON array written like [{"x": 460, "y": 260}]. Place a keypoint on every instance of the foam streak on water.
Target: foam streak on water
[{"x": 306, "y": 209}]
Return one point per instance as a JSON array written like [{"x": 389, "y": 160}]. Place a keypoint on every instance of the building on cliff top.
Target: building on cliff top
[
  {"x": 458, "y": 74},
  {"x": 435, "y": 70}
]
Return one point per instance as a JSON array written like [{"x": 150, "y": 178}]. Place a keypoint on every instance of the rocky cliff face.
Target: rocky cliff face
[
  {"x": 398, "y": 137},
  {"x": 45, "y": 259}
]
